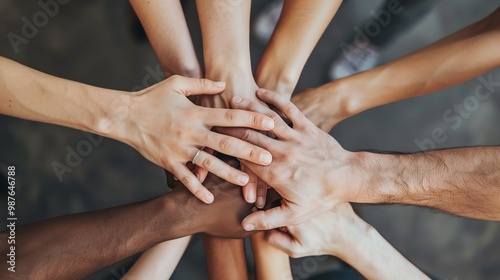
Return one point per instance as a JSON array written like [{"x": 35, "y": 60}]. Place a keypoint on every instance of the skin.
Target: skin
[
  {"x": 270, "y": 262},
  {"x": 460, "y": 181},
  {"x": 358, "y": 244},
  {"x": 153, "y": 121},
  {"x": 160, "y": 261},
  {"x": 441, "y": 65},
  {"x": 164, "y": 23},
  {"x": 225, "y": 258},
  {"x": 73, "y": 246},
  {"x": 299, "y": 28}
]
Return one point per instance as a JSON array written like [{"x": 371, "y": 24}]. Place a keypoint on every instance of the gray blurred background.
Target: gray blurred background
[{"x": 93, "y": 42}]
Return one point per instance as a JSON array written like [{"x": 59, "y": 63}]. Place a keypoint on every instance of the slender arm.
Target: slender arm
[
  {"x": 299, "y": 28},
  {"x": 457, "y": 58},
  {"x": 461, "y": 181},
  {"x": 168, "y": 33},
  {"x": 225, "y": 258},
  {"x": 270, "y": 262},
  {"x": 160, "y": 261}
]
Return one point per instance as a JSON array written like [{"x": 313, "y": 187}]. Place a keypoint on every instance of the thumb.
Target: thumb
[
  {"x": 266, "y": 220},
  {"x": 283, "y": 241},
  {"x": 192, "y": 86}
]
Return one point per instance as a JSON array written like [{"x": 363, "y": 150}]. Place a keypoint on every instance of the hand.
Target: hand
[
  {"x": 306, "y": 161},
  {"x": 168, "y": 129},
  {"x": 221, "y": 218},
  {"x": 330, "y": 233},
  {"x": 321, "y": 107}
]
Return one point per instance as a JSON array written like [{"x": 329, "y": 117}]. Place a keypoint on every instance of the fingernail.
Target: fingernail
[
  {"x": 237, "y": 99},
  {"x": 260, "y": 202},
  {"x": 268, "y": 123},
  {"x": 261, "y": 90},
  {"x": 251, "y": 196},
  {"x": 249, "y": 227},
  {"x": 266, "y": 158},
  {"x": 220, "y": 84},
  {"x": 209, "y": 198},
  {"x": 243, "y": 179}
]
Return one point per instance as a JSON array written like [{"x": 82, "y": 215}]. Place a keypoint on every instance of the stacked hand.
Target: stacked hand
[{"x": 169, "y": 130}]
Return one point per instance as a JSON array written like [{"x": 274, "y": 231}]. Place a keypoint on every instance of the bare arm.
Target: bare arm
[
  {"x": 225, "y": 258},
  {"x": 165, "y": 25},
  {"x": 270, "y": 262},
  {"x": 159, "y": 261},
  {"x": 73, "y": 246},
  {"x": 225, "y": 27},
  {"x": 462, "y": 181},
  {"x": 453, "y": 60},
  {"x": 299, "y": 28}
]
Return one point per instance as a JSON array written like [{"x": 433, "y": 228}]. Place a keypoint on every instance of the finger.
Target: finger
[
  {"x": 261, "y": 194},
  {"x": 251, "y": 136},
  {"x": 283, "y": 241},
  {"x": 237, "y": 148},
  {"x": 281, "y": 129},
  {"x": 221, "y": 169},
  {"x": 266, "y": 220},
  {"x": 250, "y": 189},
  {"x": 284, "y": 105},
  {"x": 237, "y": 118},
  {"x": 192, "y": 86},
  {"x": 200, "y": 172},
  {"x": 192, "y": 183}
]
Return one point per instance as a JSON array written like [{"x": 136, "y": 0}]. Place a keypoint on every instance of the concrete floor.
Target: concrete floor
[{"x": 90, "y": 41}]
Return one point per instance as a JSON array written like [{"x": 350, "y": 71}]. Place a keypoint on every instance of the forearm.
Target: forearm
[
  {"x": 225, "y": 258},
  {"x": 29, "y": 94},
  {"x": 453, "y": 60},
  {"x": 300, "y": 27},
  {"x": 270, "y": 262},
  {"x": 226, "y": 45},
  {"x": 461, "y": 181},
  {"x": 73, "y": 246},
  {"x": 371, "y": 255},
  {"x": 169, "y": 36},
  {"x": 159, "y": 261}
]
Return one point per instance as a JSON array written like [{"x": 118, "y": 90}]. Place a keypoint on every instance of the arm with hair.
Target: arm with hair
[
  {"x": 453, "y": 60},
  {"x": 168, "y": 33},
  {"x": 299, "y": 28},
  {"x": 461, "y": 181},
  {"x": 225, "y": 258}
]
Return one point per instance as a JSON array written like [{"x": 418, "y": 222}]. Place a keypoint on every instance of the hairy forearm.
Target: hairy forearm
[
  {"x": 371, "y": 255},
  {"x": 300, "y": 27},
  {"x": 159, "y": 261},
  {"x": 270, "y": 262},
  {"x": 29, "y": 94},
  {"x": 461, "y": 181},
  {"x": 225, "y": 258},
  {"x": 169, "y": 36},
  {"x": 74, "y": 246},
  {"x": 453, "y": 60}
]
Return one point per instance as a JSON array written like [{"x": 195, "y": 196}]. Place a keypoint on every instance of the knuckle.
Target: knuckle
[
  {"x": 208, "y": 163},
  {"x": 204, "y": 83},
  {"x": 225, "y": 144},
  {"x": 231, "y": 115},
  {"x": 246, "y": 134},
  {"x": 175, "y": 78},
  {"x": 186, "y": 181}
]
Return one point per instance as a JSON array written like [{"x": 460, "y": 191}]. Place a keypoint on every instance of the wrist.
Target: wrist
[
  {"x": 177, "y": 217},
  {"x": 276, "y": 76}
]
